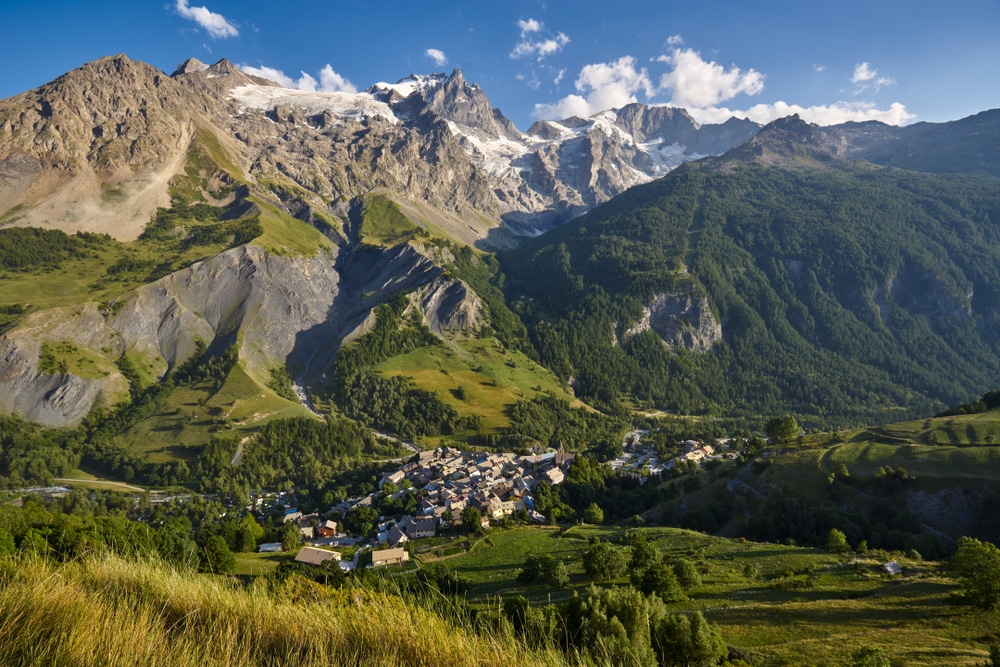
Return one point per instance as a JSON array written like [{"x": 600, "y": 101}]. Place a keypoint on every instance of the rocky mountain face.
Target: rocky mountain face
[
  {"x": 277, "y": 310},
  {"x": 451, "y": 149},
  {"x": 121, "y": 127},
  {"x": 94, "y": 150},
  {"x": 59, "y": 396}
]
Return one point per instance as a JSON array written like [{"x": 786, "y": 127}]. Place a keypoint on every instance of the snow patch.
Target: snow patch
[
  {"x": 495, "y": 156},
  {"x": 411, "y": 84},
  {"x": 356, "y": 106},
  {"x": 664, "y": 159},
  {"x": 606, "y": 121}
]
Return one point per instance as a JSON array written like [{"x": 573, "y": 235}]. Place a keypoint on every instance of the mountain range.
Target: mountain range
[{"x": 221, "y": 216}]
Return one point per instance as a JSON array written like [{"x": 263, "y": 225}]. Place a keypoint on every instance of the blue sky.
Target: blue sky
[{"x": 888, "y": 60}]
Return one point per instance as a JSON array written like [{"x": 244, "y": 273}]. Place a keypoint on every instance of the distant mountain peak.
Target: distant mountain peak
[
  {"x": 117, "y": 67},
  {"x": 449, "y": 146},
  {"x": 791, "y": 141},
  {"x": 467, "y": 105},
  {"x": 224, "y": 66},
  {"x": 408, "y": 85},
  {"x": 190, "y": 65}
]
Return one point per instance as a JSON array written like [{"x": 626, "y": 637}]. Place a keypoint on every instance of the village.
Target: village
[
  {"x": 449, "y": 481},
  {"x": 640, "y": 459}
]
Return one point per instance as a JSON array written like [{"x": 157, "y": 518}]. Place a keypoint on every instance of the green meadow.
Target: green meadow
[
  {"x": 490, "y": 379},
  {"x": 193, "y": 414}
]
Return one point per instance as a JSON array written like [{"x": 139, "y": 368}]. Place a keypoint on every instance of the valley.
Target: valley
[{"x": 570, "y": 349}]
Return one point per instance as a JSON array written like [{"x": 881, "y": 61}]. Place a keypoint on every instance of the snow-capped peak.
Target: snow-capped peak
[{"x": 411, "y": 84}]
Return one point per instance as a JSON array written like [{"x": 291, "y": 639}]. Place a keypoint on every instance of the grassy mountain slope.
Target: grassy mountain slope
[
  {"x": 846, "y": 293},
  {"x": 192, "y": 414}
]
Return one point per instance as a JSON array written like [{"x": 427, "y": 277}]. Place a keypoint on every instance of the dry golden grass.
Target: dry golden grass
[{"x": 111, "y": 611}]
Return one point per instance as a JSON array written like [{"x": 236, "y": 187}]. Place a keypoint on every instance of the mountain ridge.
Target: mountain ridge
[
  {"x": 525, "y": 181},
  {"x": 340, "y": 202}
]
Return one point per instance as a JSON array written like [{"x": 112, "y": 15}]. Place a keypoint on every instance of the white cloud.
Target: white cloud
[
  {"x": 559, "y": 77},
  {"x": 865, "y": 74},
  {"x": 528, "y": 27},
  {"x": 700, "y": 87},
  {"x": 606, "y": 86},
  {"x": 438, "y": 56},
  {"x": 541, "y": 47},
  {"x": 329, "y": 80},
  {"x": 832, "y": 114},
  {"x": 271, "y": 74},
  {"x": 696, "y": 83},
  {"x": 571, "y": 105},
  {"x": 216, "y": 24}
]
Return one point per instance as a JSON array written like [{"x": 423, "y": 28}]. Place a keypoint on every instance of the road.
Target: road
[{"x": 101, "y": 482}]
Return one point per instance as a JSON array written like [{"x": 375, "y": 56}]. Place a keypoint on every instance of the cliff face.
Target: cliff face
[
  {"x": 265, "y": 301},
  {"x": 681, "y": 318}
]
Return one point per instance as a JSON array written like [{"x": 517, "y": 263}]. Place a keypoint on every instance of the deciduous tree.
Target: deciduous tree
[
  {"x": 782, "y": 429},
  {"x": 836, "y": 542},
  {"x": 593, "y": 514},
  {"x": 603, "y": 562},
  {"x": 977, "y": 565}
]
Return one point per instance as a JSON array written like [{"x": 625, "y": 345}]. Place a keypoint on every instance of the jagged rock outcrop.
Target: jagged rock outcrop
[
  {"x": 450, "y": 308},
  {"x": 466, "y": 105},
  {"x": 681, "y": 318}
]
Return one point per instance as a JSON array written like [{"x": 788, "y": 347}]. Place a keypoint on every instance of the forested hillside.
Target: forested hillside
[{"x": 846, "y": 293}]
